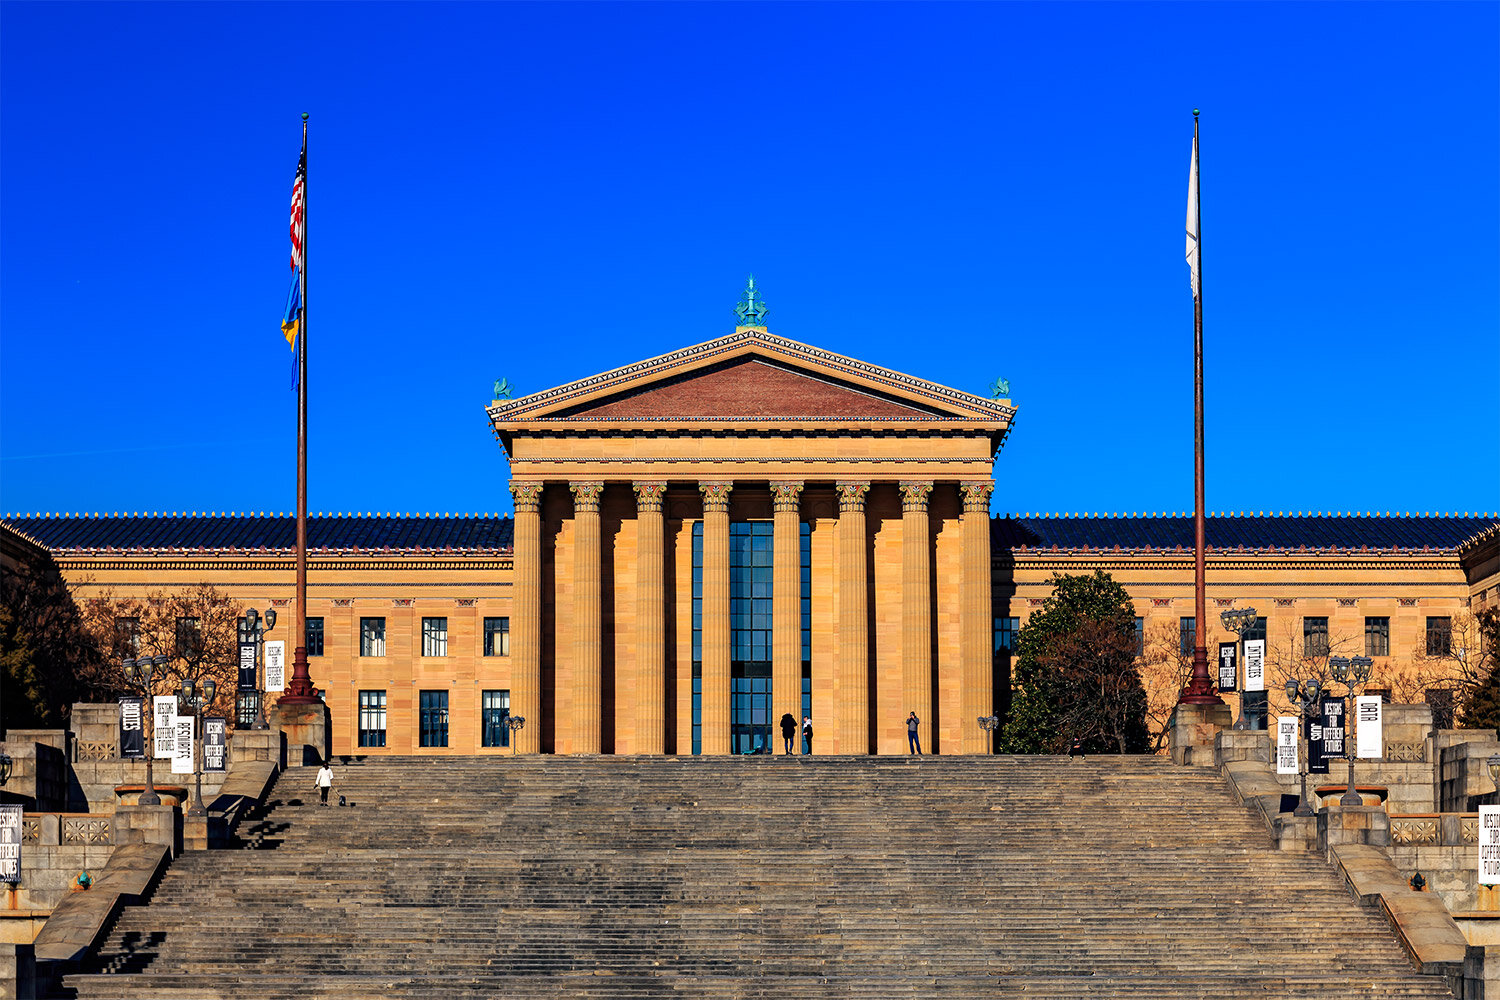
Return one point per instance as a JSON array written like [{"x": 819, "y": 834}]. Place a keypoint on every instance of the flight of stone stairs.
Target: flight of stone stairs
[{"x": 768, "y": 876}]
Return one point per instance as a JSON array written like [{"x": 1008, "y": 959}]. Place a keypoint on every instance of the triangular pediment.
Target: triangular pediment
[{"x": 748, "y": 376}]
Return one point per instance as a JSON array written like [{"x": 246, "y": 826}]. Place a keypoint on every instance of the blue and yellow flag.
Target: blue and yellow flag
[{"x": 291, "y": 320}]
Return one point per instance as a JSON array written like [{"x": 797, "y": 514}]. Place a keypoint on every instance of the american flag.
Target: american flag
[{"x": 299, "y": 206}]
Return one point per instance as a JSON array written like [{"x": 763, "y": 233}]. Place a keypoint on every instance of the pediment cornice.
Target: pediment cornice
[{"x": 939, "y": 403}]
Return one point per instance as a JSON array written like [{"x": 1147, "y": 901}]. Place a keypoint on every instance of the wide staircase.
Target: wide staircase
[{"x": 775, "y": 877}]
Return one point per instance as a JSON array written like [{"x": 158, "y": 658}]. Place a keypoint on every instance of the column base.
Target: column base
[
  {"x": 1193, "y": 730},
  {"x": 304, "y": 733}
]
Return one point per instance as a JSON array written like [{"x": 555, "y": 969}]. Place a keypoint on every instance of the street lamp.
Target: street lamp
[
  {"x": 196, "y": 703},
  {"x": 514, "y": 723},
  {"x": 1349, "y": 671},
  {"x": 989, "y": 723},
  {"x": 1239, "y": 621},
  {"x": 256, "y": 634},
  {"x": 1303, "y": 694},
  {"x": 138, "y": 675}
]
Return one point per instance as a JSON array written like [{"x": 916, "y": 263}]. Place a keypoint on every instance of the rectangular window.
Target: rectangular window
[
  {"x": 127, "y": 637},
  {"x": 1005, "y": 635},
  {"x": 434, "y": 637},
  {"x": 434, "y": 720},
  {"x": 494, "y": 713},
  {"x": 314, "y": 637},
  {"x": 1187, "y": 635},
  {"x": 372, "y": 718},
  {"x": 1377, "y": 637},
  {"x": 1439, "y": 636},
  {"x": 497, "y": 637},
  {"x": 1315, "y": 637},
  {"x": 372, "y": 637},
  {"x": 1140, "y": 637},
  {"x": 189, "y": 641}
]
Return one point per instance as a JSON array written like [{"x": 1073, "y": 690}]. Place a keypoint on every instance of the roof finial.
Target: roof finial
[{"x": 752, "y": 308}]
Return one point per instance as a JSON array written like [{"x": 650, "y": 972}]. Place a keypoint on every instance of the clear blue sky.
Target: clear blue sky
[{"x": 957, "y": 191}]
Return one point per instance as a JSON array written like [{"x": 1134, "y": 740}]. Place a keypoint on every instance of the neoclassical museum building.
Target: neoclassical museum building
[{"x": 745, "y": 528}]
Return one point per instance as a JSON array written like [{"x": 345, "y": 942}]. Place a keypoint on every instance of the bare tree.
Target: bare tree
[
  {"x": 1456, "y": 658},
  {"x": 197, "y": 628},
  {"x": 1165, "y": 670}
]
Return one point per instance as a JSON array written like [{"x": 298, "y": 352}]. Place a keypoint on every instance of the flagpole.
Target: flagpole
[
  {"x": 299, "y": 689},
  {"x": 1200, "y": 689}
]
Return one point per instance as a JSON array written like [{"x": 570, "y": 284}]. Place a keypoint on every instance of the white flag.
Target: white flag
[{"x": 1192, "y": 223}]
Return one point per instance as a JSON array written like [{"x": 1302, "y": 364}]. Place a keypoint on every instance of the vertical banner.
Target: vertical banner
[
  {"x": 1229, "y": 673},
  {"x": 1489, "y": 845},
  {"x": 276, "y": 666},
  {"x": 247, "y": 667},
  {"x": 182, "y": 755},
  {"x": 215, "y": 730},
  {"x": 164, "y": 715},
  {"x": 1286, "y": 744},
  {"x": 10, "y": 843},
  {"x": 1333, "y": 727},
  {"x": 1369, "y": 739},
  {"x": 132, "y": 727},
  {"x": 1255, "y": 664}
]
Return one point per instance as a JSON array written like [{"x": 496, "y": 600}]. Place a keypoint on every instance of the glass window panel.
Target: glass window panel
[
  {"x": 372, "y": 637},
  {"x": 314, "y": 637},
  {"x": 372, "y": 718},
  {"x": 497, "y": 637},
  {"x": 434, "y": 637}
]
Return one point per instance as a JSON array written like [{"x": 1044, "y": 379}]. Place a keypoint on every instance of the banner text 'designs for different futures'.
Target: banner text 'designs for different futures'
[
  {"x": 164, "y": 723},
  {"x": 10, "y": 842},
  {"x": 215, "y": 731},
  {"x": 1286, "y": 744},
  {"x": 276, "y": 666},
  {"x": 1489, "y": 845},
  {"x": 1228, "y": 669}
]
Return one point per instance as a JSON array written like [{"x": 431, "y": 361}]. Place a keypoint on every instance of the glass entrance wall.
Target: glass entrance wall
[{"x": 751, "y": 583}]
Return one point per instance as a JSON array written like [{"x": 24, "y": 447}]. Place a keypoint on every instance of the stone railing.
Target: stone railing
[
  {"x": 1435, "y": 829},
  {"x": 50, "y": 829},
  {"x": 95, "y": 749}
]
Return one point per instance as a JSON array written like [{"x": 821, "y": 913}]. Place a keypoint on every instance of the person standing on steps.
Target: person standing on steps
[
  {"x": 788, "y": 730},
  {"x": 324, "y": 781},
  {"x": 913, "y": 741},
  {"x": 807, "y": 733}
]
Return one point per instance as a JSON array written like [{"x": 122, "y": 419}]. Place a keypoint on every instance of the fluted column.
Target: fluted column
[
  {"x": 916, "y": 606},
  {"x": 854, "y": 636},
  {"x": 588, "y": 648},
  {"x": 976, "y": 643},
  {"x": 715, "y": 617},
  {"x": 650, "y": 618},
  {"x": 526, "y": 617},
  {"x": 786, "y": 607}
]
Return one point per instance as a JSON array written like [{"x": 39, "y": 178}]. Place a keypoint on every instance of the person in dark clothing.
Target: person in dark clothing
[
  {"x": 788, "y": 730},
  {"x": 807, "y": 732},
  {"x": 913, "y": 741}
]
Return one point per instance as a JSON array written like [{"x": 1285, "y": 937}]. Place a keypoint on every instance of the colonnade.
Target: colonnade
[{"x": 851, "y": 657}]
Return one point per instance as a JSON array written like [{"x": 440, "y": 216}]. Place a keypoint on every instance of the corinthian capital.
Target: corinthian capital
[
  {"x": 852, "y": 495},
  {"x": 786, "y": 497},
  {"x": 715, "y": 497},
  {"x": 527, "y": 497},
  {"x": 914, "y": 495},
  {"x": 976, "y": 496},
  {"x": 586, "y": 496},
  {"x": 648, "y": 497}
]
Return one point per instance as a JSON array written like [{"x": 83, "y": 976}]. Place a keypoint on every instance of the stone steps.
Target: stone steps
[{"x": 732, "y": 877}]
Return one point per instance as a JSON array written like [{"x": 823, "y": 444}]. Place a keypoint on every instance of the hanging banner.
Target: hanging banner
[
  {"x": 182, "y": 756},
  {"x": 247, "y": 666},
  {"x": 1333, "y": 727},
  {"x": 1489, "y": 845},
  {"x": 1286, "y": 744},
  {"x": 215, "y": 732},
  {"x": 1229, "y": 673},
  {"x": 1255, "y": 664},
  {"x": 10, "y": 843},
  {"x": 132, "y": 728},
  {"x": 276, "y": 665},
  {"x": 164, "y": 725},
  {"x": 1368, "y": 738}
]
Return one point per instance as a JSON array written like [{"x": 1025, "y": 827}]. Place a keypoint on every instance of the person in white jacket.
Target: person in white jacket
[{"x": 324, "y": 781}]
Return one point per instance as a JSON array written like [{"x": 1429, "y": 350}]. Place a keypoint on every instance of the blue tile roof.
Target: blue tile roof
[
  {"x": 493, "y": 533},
  {"x": 489, "y": 533},
  {"x": 1446, "y": 532}
]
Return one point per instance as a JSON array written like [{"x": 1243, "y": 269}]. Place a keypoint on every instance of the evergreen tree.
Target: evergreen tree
[{"x": 1076, "y": 682}]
